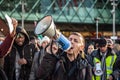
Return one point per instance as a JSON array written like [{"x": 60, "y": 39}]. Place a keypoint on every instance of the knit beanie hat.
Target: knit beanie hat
[{"x": 45, "y": 38}]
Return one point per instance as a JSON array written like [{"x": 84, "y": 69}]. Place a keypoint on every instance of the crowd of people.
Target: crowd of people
[{"x": 25, "y": 57}]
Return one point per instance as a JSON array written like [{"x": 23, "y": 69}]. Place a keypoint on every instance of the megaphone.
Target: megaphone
[
  {"x": 98, "y": 70},
  {"x": 47, "y": 27}
]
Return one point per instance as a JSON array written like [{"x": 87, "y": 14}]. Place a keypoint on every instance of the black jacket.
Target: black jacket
[
  {"x": 9, "y": 65},
  {"x": 53, "y": 68}
]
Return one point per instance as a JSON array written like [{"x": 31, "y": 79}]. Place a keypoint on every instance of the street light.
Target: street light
[
  {"x": 113, "y": 13},
  {"x": 97, "y": 20},
  {"x": 23, "y": 11}
]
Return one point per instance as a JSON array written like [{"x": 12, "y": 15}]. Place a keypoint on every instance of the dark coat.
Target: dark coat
[
  {"x": 9, "y": 65},
  {"x": 10, "y": 61},
  {"x": 53, "y": 68}
]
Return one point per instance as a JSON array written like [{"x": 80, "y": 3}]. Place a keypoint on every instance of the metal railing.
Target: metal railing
[{"x": 69, "y": 11}]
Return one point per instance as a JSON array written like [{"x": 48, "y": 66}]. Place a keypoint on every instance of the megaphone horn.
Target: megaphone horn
[
  {"x": 98, "y": 70},
  {"x": 46, "y": 27}
]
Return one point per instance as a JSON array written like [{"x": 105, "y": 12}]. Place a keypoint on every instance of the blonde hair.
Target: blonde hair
[
  {"x": 116, "y": 47},
  {"x": 79, "y": 35},
  {"x": 83, "y": 41}
]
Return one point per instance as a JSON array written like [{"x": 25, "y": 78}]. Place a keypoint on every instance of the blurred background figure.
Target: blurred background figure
[
  {"x": 45, "y": 40},
  {"x": 90, "y": 49},
  {"x": 96, "y": 44},
  {"x": 110, "y": 43},
  {"x": 117, "y": 51},
  {"x": 38, "y": 58},
  {"x": 34, "y": 45},
  {"x": 116, "y": 48}
]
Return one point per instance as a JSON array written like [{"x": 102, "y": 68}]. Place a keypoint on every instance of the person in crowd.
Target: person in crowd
[
  {"x": 38, "y": 58},
  {"x": 104, "y": 62},
  {"x": 96, "y": 44},
  {"x": 38, "y": 42},
  {"x": 34, "y": 45},
  {"x": 70, "y": 65},
  {"x": 90, "y": 49},
  {"x": 116, "y": 48},
  {"x": 110, "y": 43},
  {"x": 5, "y": 47},
  {"x": 18, "y": 62}
]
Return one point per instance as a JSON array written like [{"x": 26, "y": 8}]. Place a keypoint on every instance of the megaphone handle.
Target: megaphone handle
[
  {"x": 51, "y": 51},
  {"x": 51, "y": 46}
]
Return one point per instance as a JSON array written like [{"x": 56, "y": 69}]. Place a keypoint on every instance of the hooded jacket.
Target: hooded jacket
[{"x": 23, "y": 51}]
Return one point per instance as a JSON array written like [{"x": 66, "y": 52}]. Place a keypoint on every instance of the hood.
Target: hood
[{"x": 23, "y": 31}]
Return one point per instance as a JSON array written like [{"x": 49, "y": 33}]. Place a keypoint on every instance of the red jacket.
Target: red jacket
[{"x": 5, "y": 46}]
